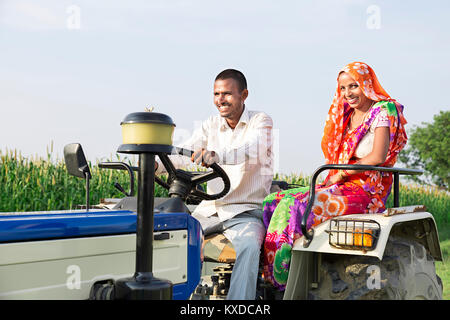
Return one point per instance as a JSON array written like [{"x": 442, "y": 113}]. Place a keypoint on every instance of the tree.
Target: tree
[{"x": 429, "y": 149}]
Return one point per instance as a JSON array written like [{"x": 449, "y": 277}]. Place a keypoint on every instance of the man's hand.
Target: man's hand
[{"x": 204, "y": 157}]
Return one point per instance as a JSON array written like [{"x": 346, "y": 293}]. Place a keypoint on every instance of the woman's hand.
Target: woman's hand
[{"x": 340, "y": 176}]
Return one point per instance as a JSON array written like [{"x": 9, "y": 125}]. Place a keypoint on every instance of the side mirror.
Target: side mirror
[{"x": 77, "y": 165}]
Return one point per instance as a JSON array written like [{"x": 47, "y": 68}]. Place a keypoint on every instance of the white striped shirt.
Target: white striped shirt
[{"x": 245, "y": 154}]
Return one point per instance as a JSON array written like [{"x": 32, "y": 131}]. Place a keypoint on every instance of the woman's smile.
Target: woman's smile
[
  {"x": 352, "y": 100},
  {"x": 352, "y": 93}
]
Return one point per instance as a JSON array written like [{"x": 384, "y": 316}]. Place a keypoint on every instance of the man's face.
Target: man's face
[{"x": 229, "y": 100}]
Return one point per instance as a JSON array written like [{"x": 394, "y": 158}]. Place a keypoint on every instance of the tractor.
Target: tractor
[{"x": 142, "y": 247}]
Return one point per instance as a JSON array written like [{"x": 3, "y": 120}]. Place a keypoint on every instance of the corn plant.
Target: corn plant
[{"x": 38, "y": 184}]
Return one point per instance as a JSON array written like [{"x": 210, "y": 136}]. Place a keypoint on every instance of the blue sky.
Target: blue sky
[{"x": 67, "y": 84}]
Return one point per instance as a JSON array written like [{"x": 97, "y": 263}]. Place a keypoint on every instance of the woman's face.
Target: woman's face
[{"x": 351, "y": 92}]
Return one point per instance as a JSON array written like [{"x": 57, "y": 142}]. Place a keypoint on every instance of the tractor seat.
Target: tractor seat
[{"x": 217, "y": 248}]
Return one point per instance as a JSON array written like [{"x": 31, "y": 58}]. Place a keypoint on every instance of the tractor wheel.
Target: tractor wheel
[{"x": 407, "y": 272}]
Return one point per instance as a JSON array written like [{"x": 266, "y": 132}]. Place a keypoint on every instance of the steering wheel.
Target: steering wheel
[{"x": 182, "y": 183}]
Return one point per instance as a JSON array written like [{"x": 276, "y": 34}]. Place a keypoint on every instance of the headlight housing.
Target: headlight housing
[{"x": 353, "y": 234}]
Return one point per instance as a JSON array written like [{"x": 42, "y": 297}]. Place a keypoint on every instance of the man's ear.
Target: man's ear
[{"x": 244, "y": 94}]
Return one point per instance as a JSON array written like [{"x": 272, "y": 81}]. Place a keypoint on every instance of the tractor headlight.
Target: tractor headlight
[{"x": 356, "y": 234}]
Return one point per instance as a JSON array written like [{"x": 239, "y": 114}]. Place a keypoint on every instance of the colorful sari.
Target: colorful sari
[{"x": 364, "y": 192}]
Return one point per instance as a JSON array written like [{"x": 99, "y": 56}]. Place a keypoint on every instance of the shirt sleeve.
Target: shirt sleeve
[
  {"x": 382, "y": 119},
  {"x": 257, "y": 144}
]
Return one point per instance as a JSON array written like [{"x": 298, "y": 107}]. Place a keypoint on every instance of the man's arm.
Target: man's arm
[{"x": 256, "y": 145}]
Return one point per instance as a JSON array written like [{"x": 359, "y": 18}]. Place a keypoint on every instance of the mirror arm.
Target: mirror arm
[{"x": 87, "y": 190}]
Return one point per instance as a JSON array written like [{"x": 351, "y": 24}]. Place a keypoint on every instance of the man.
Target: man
[{"x": 240, "y": 141}]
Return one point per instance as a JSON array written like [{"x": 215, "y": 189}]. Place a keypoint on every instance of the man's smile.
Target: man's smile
[{"x": 224, "y": 107}]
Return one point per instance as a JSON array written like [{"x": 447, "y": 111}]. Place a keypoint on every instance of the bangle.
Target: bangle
[{"x": 346, "y": 173}]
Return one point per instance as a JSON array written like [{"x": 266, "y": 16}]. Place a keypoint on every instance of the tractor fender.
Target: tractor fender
[{"x": 418, "y": 226}]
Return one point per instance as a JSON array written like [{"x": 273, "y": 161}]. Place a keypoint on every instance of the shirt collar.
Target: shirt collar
[{"x": 243, "y": 119}]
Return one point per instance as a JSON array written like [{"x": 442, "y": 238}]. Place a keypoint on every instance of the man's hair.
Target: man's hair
[{"x": 235, "y": 75}]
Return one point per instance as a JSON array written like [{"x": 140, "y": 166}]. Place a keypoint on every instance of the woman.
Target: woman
[{"x": 364, "y": 126}]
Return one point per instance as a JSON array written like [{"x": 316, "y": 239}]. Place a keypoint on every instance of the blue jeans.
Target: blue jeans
[{"x": 246, "y": 232}]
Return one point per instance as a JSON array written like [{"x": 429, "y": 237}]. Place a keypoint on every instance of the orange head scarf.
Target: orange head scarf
[{"x": 339, "y": 111}]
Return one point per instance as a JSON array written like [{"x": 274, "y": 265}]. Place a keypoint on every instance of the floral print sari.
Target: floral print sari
[{"x": 364, "y": 192}]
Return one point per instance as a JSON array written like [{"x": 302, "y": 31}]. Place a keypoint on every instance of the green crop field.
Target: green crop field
[{"x": 36, "y": 184}]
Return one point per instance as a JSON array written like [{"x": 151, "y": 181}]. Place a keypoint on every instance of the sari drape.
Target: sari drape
[{"x": 364, "y": 192}]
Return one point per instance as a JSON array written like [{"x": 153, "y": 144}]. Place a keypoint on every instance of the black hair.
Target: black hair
[{"x": 235, "y": 75}]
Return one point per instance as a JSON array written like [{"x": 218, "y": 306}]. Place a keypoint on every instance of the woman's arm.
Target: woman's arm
[
  {"x": 379, "y": 150},
  {"x": 376, "y": 157}
]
